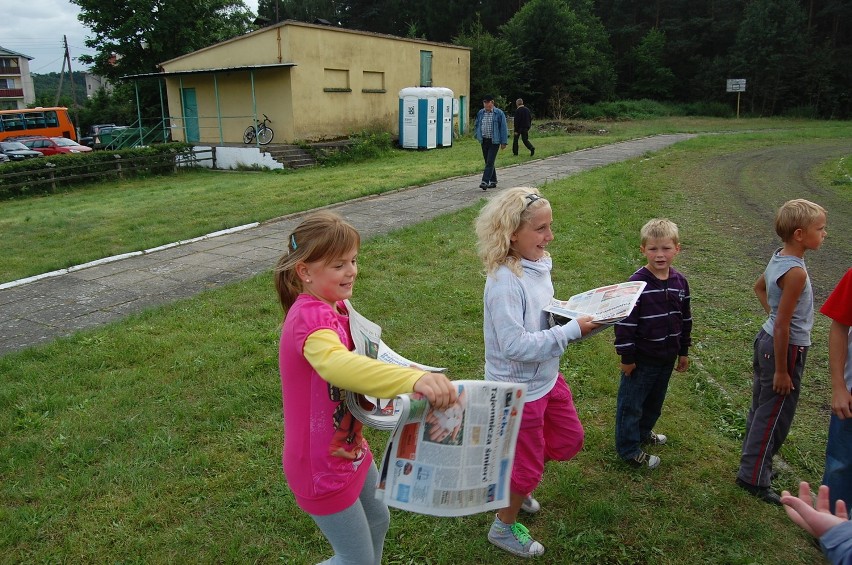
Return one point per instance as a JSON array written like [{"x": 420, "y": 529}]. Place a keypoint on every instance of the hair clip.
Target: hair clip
[
  {"x": 293, "y": 241},
  {"x": 532, "y": 198}
]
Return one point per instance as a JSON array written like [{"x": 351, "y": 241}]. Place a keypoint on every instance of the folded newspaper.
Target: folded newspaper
[
  {"x": 606, "y": 305},
  {"x": 457, "y": 461},
  {"x": 376, "y": 413}
]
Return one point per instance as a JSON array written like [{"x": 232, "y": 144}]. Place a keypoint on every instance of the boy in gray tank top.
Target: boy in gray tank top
[{"x": 781, "y": 346}]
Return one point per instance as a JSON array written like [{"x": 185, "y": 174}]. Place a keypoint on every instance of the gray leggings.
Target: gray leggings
[{"x": 357, "y": 534}]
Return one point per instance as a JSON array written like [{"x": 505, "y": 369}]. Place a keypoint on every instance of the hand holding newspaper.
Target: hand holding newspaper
[
  {"x": 457, "y": 461},
  {"x": 451, "y": 462},
  {"x": 375, "y": 412},
  {"x": 607, "y": 304}
]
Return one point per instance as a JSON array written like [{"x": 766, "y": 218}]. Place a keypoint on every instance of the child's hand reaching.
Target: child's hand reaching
[
  {"x": 438, "y": 390},
  {"x": 815, "y": 520}
]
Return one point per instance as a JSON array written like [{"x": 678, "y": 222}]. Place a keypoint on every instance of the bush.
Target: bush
[
  {"x": 626, "y": 109},
  {"x": 44, "y": 175},
  {"x": 363, "y": 147},
  {"x": 709, "y": 109},
  {"x": 646, "y": 109},
  {"x": 803, "y": 112}
]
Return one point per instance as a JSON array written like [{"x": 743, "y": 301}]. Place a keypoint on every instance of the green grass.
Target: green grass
[
  {"x": 120, "y": 216},
  {"x": 158, "y": 439}
]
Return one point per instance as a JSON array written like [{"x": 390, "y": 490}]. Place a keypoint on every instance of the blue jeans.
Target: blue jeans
[
  {"x": 489, "y": 153},
  {"x": 640, "y": 402},
  {"x": 838, "y": 461}
]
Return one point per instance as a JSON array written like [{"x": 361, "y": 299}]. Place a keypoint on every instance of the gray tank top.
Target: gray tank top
[{"x": 803, "y": 315}]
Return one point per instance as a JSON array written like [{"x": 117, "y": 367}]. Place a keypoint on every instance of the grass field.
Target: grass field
[{"x": 158, "y": 439}]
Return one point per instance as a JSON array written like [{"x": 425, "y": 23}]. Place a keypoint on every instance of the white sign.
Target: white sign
[{"x": 736, "y": 84}]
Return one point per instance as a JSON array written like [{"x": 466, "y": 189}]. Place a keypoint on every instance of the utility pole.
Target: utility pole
[
  {"x": 61, "y": 76},
  {"x": 67, "y": 59}
]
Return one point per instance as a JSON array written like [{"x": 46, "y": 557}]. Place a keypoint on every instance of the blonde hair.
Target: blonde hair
[
  {"x": 796, "y": 214},
  {"x": 659, "y": 228},
  {"x": 321, "y": 236},
  {"x": 498, "y": 220}
]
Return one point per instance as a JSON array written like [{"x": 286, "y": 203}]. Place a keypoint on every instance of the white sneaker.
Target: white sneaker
[
  {"x": 655, "y": 439},
  {"x": 643, "y": 459},
  {"x": 530, "y": 505}
]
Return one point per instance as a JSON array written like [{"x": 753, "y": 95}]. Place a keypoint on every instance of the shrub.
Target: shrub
[
  {"x": 44, "y": 175},
  {"x": 363, "y": 147}
]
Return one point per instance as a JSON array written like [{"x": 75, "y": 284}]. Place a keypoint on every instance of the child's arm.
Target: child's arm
[
  {"x": 760, "y": 291},
  {"x": 838, "y": 352},
  {"x": 358, "y": 373},
  {"x": 792, "y": 284}
]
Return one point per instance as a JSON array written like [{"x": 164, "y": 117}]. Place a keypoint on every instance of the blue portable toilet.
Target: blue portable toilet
[
  {"x": 418, "y": 118},
  {"x": 444, "y": 137}
]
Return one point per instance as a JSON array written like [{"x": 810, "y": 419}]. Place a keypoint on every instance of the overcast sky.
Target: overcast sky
[{"x": 36, "y": 28}]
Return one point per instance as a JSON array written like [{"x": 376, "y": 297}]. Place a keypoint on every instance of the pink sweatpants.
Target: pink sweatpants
[{"x": 550, "y": 430}]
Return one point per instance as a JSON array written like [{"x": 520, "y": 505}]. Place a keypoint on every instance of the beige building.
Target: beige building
[
  {"x": 16, "y": 84},
  {"x": 313, "y": 81}
]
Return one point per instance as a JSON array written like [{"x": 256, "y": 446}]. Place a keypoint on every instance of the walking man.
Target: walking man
[
  {"x": 523, "y": 123},
  {"x": 493, "y": 133}
]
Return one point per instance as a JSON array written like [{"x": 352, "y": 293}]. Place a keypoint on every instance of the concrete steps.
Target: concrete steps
[{"x": 291, "y": 156}]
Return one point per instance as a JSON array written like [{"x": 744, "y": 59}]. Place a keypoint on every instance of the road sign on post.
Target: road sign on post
[{"x": 737, "y": 85}]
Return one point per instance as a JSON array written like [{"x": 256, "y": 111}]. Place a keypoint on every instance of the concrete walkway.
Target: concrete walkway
[{"x": 41, "y": 310}]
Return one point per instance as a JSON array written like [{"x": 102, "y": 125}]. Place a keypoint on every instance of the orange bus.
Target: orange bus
[{"x": 49, "y": 122}]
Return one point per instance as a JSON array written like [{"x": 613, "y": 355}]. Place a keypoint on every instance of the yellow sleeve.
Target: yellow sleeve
[{"x": 358, "y": 373}]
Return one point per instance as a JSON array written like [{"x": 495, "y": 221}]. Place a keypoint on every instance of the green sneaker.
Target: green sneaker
[{"x": 514, "y": 538}]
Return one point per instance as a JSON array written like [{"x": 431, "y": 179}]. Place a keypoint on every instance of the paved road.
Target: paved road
[{"x": 41, "y": 310}]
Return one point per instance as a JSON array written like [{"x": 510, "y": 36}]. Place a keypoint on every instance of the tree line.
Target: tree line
[{"x": 556, "y": 54}]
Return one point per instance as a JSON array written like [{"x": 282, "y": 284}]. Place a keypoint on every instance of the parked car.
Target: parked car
[
  {"x": 89, "y": 139},
  {"x": 54, "y": 145},
  {"x": 17, "y": 151},
  {"x": 3, "y": 158}
]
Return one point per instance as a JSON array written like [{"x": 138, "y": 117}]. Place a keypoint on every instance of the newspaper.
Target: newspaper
[
  {"x": 606, "y": 305},
  {"x": 457, "y": 461},
  {"x": 376, "y": 413}
]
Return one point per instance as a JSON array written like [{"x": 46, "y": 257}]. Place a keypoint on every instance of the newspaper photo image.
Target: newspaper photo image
[
  {"x": 457, "y": 461},
  {"x": 376, "y": 413},
  {"x": 606, "y": 304}
]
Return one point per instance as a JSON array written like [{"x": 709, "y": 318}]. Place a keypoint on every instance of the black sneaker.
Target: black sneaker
[
  {"x": 483, "y": 185},
  {"x": 532, "y": 152},
  {"x": 492, "y": 184},
  {"x": 766, "y": 494}
]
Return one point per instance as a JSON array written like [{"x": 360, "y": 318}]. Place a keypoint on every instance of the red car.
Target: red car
[{"x": 54, "y": 145}]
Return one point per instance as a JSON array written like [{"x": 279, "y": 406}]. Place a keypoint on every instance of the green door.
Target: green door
[{"x": 190, "y": 115}]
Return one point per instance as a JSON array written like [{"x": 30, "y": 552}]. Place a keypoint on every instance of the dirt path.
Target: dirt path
[{"x": 750, "y": 186}]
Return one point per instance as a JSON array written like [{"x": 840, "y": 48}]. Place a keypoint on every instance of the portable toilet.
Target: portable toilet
[
  {"x": 408, "y": 118},
  {"x": 429, "y": 102},
  {"x": 445, "y": 116},
  {"x": 418, "y": 118}
]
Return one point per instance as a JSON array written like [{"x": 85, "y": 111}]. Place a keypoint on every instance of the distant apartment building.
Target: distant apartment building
[
  {"x": 16, "y": 84},
  {"x": 94, "y": 83}
]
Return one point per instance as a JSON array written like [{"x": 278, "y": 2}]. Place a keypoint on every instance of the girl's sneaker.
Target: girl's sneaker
[
  {"x": 514, "y": 538},
  {"x": 530, "y": 505}
]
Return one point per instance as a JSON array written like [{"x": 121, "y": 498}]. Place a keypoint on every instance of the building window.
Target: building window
[
  {"x": 9, "y": 66},
  {"x": 337, "y": 80},
  {"x": 373, "y": 82},
  {"x": 425, "y": 68}
]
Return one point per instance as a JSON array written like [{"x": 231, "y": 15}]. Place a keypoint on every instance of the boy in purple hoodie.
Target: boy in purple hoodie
[{"x": 652, "y": 342}]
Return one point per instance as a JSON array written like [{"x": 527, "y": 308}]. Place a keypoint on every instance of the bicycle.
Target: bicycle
[{"x": 261, "y": 131}]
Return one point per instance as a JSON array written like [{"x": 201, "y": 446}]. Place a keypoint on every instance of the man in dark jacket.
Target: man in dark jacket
[{"x": 523, "y": 122}]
